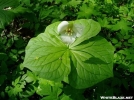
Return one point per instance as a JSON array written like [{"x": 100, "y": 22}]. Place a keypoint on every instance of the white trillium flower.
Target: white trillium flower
[{"x": 68, "y": 32}]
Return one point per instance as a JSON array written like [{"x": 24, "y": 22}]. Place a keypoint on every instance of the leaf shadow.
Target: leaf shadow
[{"x": 94, "y": 60}]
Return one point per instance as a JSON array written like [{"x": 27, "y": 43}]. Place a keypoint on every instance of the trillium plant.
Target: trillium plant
[{"x": 71, "y": 51}]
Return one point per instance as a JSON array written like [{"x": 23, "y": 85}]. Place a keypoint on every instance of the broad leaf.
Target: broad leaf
[
  {"x": 90, "y": 28},
  {"x": 92, "y": 62},
  {"x": 48, "y": 57}
]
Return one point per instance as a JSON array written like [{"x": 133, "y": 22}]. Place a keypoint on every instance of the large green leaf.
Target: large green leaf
[
  {"x": 85, "y": 62},
  {"x": 92, "y": 62},
  {"x": 48, "y": 57},
  {"x": 90, "y": 28}
]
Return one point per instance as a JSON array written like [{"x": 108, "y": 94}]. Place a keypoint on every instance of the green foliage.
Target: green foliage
[
  {"x": 86, "y": 11},
  {"x": 6, "y": 15},
  {"x": 123, "y": 26},
  {"x": 49, "y": 90},
  {"x": 20, "y": 20}
]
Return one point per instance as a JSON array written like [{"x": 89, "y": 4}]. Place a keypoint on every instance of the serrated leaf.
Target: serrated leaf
[
  {"x": 92, "y": 62},
  {"x": 86, "y": 11},
  {"x": 17, "y": 80},
  {"x": 49, "y": 89},
  {"x": 104, "y": 22},
  {"x": 30, "y": 77},
  {"x": 30, "y": 90},
  {"x": 122, "y": 25}
]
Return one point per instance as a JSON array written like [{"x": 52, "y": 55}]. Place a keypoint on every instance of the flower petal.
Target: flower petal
[
  {"x": 67, "y": 39},
  {"x": 78, "y": 29},
  {"x": 62, "y": 26}
]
